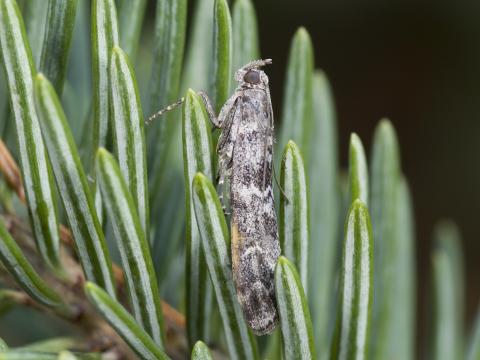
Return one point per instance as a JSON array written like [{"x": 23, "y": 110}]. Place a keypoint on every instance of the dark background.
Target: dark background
[{"x": 417, "y": 63}]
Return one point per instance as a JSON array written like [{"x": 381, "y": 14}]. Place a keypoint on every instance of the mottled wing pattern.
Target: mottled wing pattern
[
  {"x": 227, "y": 136},
  {"x": 225, "y": 146},
  {"x": 255, "y": 246}
]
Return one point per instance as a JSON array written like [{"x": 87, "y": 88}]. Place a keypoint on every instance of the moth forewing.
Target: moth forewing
[{"x": 245, "y": 151}]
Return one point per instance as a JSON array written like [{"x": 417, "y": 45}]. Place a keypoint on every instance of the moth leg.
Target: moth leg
[
  {"x": 278, "y": 184},
  {"x": 220, "y": 180},
  {"x": 269, "y": 140},
  {"x": 219, "y": 121},
  {"x": 223, "y": 190},
  {"x": 209, "y": 107},
  {"x": 221, "y": 185}
]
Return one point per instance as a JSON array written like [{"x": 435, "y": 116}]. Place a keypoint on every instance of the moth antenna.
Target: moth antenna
[
  {"x": 164, "y": 110},
  {"x": 257, "y": 63}
]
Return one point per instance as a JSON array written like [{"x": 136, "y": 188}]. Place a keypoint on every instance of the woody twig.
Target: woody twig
[{"x": 90, "y": 322}]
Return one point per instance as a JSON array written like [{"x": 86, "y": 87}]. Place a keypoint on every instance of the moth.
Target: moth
[{"x": 245, "y": 153}]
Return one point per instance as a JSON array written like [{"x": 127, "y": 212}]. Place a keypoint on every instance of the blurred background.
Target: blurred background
[{"x": 417, "y": 63}]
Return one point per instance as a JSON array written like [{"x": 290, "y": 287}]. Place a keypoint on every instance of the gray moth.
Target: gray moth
[{"x": 245, "y": 152}]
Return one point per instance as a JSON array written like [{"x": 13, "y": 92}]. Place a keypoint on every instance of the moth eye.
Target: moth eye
[{"x": 252, "y": 77}]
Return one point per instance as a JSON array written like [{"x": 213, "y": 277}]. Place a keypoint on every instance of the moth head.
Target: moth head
[{"x": 251, "y": 76}]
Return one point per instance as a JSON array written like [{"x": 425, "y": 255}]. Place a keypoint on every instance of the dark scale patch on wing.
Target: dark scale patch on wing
[
  {"x": 256, "y": 250},
  {"x": 270, "y": 223},
  {"x": 254, "y": 282}
]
